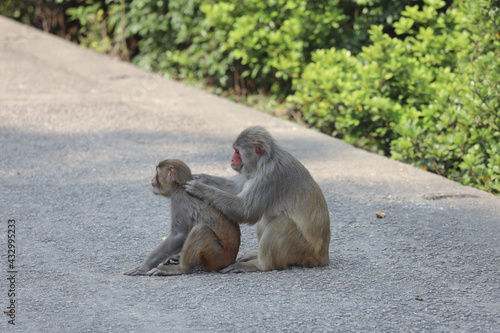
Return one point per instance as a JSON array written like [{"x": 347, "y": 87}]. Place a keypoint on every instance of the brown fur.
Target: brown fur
[{"x": 199, "y": 232}]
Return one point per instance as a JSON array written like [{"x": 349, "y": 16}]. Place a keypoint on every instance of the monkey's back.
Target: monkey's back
[
  {"x": 227, "y": 232},
  {"x": 304, "y": 202}
]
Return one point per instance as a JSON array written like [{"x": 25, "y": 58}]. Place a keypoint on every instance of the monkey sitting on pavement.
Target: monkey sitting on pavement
[
  {"x": 277, "y": 193},
  {"x": 202, "y": 234}
]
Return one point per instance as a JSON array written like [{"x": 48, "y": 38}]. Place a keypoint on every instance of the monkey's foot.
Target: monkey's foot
[
  {"x": 231, "y": 269},
  {"x": 248, "y": 256},
  {"x": 163, "y": 270},
  {"x": 156, "y": 272},
  {"x": 242, "y": 267},
  {"x": 171, "y": 261},
  {"x": 136, "y": 271},
  {"x": 239, "y": 267}
]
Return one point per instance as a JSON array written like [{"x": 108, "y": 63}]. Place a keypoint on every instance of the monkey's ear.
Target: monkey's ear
[
  {"x": 171, "y": 173},
  {"x": 259, "y": 150}
]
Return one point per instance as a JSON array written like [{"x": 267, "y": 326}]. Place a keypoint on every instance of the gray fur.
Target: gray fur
[
  {"x": 201, "y": 234},
  {"x": 275, "y": 190}
]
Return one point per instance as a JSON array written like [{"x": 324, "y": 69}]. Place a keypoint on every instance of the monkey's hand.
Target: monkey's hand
[
  {"x": 201, "y": 177},
  {"x": 232, "y": 185},
  {"x": 137, "y": 271},
  {"x": 196, "y": 189}
]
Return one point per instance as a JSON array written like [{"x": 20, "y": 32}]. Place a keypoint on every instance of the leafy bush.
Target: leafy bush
[
  {"x": 362, "y": 14},
  {"x": 430, "y": 98},
  {"x": 244, "y": 47},
  {"x": 99, "y": 22},
  {"x": 254, "y": 46},
  {"x": 161, "y": 28},
  {"x": 42, "y": 14}
]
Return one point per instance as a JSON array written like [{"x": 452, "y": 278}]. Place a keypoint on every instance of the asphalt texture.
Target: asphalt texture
[{"x": 80, "y": 135}]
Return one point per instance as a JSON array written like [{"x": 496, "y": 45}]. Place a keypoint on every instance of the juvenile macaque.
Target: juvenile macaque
[
  {"x": 276, "y": 192},
  {"x": 200, "y": 233}
]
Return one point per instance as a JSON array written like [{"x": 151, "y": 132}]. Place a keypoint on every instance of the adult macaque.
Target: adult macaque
[
  {"x": 274, "y": 190},
  {"x": 200, "y": 233}
]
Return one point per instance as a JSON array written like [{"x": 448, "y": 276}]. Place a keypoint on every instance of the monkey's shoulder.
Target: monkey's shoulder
[{"x": 199, "y": 211}]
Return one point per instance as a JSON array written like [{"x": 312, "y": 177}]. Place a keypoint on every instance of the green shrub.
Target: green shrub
[
  {"x": 240, "y": 47},
  {"x": 199, "y": 54},
  {"x": 98, "y": 25},
  {"x": 162, "y": 27},
  {"x": 362, "y": 14},
  {"x": 430, "y": 98},
  {"x": 261, "y": 46},
  {"x": 256, "y": 45}
]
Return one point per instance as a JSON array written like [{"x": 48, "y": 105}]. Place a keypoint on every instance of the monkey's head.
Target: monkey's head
[
  {"x": 252, "y": 145},
  {"x": 170, "y": 176}
]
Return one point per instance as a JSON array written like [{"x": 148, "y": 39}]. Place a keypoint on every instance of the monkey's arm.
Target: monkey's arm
[
  {"x": 232, "y": 185},
  {"x": 236, "y": 207},
  {"x": 169, "y": 247}
]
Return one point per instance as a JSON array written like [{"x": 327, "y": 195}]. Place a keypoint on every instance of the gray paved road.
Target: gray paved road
[{"x": 80, "y": 134}]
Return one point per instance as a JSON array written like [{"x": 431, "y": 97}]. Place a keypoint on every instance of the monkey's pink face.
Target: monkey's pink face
[{"x": 236, "y": 162}]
